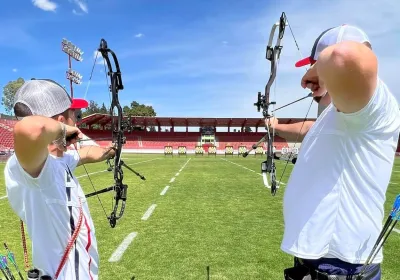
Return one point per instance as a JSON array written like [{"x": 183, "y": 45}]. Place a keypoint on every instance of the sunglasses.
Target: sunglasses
[{"x": 78, "y": 115}]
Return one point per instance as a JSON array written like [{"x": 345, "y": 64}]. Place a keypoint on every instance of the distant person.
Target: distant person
[
  {"x": 334, "y": 200},
  {"x": 41, "y": 187}
]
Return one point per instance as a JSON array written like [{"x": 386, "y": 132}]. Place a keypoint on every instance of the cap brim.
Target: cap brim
[
  {"x": 303, "y": 62},
  {"x": 78, "y": 103}
]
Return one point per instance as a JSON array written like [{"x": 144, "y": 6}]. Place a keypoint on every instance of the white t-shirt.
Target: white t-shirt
[
  {"x": 334, "y": 200},
  {"x": 49, "y": 207}
]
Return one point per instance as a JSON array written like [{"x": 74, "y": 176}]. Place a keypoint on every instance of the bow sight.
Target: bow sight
[{"x": 263, "y": 103}]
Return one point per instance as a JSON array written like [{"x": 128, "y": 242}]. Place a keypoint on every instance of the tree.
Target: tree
[
  {"x": 142, "y": 110},
  {"x": 9, "y": 91},
  {"x": 103, "y": 109},
  {"x": 126, "y": 110},
  {"x": 93, "y": 108},
  {"x": 135, "y": 109}
]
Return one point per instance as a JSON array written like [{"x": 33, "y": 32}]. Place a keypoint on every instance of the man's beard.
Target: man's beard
[{"x": 317, "y": 98}]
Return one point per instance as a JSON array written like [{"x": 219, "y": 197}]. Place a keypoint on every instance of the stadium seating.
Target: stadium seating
[
  {"x": 6, "y": 134},
  {"x": 143, "y": 141}
]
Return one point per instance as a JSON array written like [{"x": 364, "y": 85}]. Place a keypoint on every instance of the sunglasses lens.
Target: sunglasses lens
[{"x": 78, "y": 115}]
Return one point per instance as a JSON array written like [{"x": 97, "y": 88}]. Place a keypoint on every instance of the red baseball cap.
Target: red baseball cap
[
  {"x": 331, "y": 37},
  {"x": 79, "y": 103}
]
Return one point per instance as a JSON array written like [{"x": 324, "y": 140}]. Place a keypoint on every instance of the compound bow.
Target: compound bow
[
  {"x": 263, "y": 102},
  {"x": 118, "y": 126}
]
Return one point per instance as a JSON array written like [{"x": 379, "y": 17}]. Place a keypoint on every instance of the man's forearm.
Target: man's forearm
[
  {"x": 40, "y": 130},
  {"x": 32, "y": 135},
  {"x": 290, "y": 132},
  {"x": 92, "y": 154}
]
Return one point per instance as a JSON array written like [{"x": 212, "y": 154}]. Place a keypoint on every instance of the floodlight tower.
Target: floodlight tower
[{"x": 72, "y": 51}]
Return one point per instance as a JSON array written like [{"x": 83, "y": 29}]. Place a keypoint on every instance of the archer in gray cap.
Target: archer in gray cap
[{"x": 41, "y": 187}]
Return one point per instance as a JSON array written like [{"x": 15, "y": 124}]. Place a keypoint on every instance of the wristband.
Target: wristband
[{"x": 61, "y": 141}]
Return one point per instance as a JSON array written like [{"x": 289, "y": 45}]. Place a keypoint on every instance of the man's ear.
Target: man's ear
[{"x": 61, "y": 118}]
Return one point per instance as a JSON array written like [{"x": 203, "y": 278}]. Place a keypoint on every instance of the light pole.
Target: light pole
[{"x": 72, "y": 51}]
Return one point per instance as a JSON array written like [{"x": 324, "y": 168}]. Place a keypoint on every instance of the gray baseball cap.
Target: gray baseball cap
[
  {"x": 47, "y": 98},
  {"x": 333, "y": 36}
]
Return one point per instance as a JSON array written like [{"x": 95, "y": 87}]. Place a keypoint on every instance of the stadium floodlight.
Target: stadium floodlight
[
  {"x": 76, "y": 53},
  {"x": 72, "y": 50},
  {"x": 74, "y": 76}
]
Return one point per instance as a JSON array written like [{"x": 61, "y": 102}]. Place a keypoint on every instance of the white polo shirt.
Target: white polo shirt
[
  {"x": 334, "y": 200},
  {"x": 49, "y": 207}
]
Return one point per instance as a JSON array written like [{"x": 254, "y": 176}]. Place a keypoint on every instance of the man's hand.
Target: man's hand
[
  {"x": 311, "y": 81},
  {"x": 271, "y": 122},
  {"x": 110, "y": 151},
  {"x": 72, "y": 136}
]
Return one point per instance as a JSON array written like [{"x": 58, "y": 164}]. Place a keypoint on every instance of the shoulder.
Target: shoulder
[
  {"x": 381, "y": 112},
  {"x": 16, "y": 177},
  {"x": 349, "y": 71}
]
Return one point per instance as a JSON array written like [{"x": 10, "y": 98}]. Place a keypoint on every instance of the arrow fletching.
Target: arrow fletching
[
  {"x": 11, "y": 257},
  {"x": 3, "y": 262},
  {"x": 395, "y": 213}
]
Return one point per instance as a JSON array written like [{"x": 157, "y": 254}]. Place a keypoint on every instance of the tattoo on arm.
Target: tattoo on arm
[{"x": 108, "y": 153}]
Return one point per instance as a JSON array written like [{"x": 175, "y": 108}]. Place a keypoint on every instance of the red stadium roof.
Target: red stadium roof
[{"x": 104, "y": 119}]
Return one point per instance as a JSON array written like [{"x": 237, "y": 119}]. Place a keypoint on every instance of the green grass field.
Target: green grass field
[{"x": 215, "y": 213}]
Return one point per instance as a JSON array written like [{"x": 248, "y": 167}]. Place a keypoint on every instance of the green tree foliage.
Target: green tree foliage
[
  {"x": 135, "y": 109},
  {"x": 9, "y": 91},
  {"x": 93, "y": 108},
  {"x": 103, "y": 109},
  {"x": 141, "y": 110}
]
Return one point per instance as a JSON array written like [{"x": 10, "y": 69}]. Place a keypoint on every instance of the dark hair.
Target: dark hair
[
  {"x": 368, "y": 45},
  {"x": 21, "y": 110}
]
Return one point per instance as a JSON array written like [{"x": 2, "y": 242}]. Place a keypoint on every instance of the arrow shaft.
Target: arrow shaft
[{"x": 309, "y": 95}]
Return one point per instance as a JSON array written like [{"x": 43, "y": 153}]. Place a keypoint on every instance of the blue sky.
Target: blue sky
[{"x": 187, "y": 58}]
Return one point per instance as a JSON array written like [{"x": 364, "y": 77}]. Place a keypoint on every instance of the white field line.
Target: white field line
[
  {"x": 246, "y": 168},
  {"x": 185, "y": 164},
  {"x": 180, "y": 170},
  {"x": 149, "y": 211},
  {"x": 116, "y": 256},
  {"x": 97, "y": 172},
  {"x": 85, "y": 175},
  {"x": 173, "y": 178},
  {"x": 396, "y": 230},
  {"x": 164, "y": 190}
]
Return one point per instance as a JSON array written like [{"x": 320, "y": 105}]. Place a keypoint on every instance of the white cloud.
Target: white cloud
[
  {"x": 45, "y": 5},
  {"x": 75, "y": 12},
  {"x": 15, "y": 70},
  {"x": 99, "y": 58},
  {"x": 139, "y": 35},
  {"x": 82, "y": 6}
]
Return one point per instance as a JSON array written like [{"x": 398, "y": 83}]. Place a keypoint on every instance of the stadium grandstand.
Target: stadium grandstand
[{"x": 149, "y": 137}]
